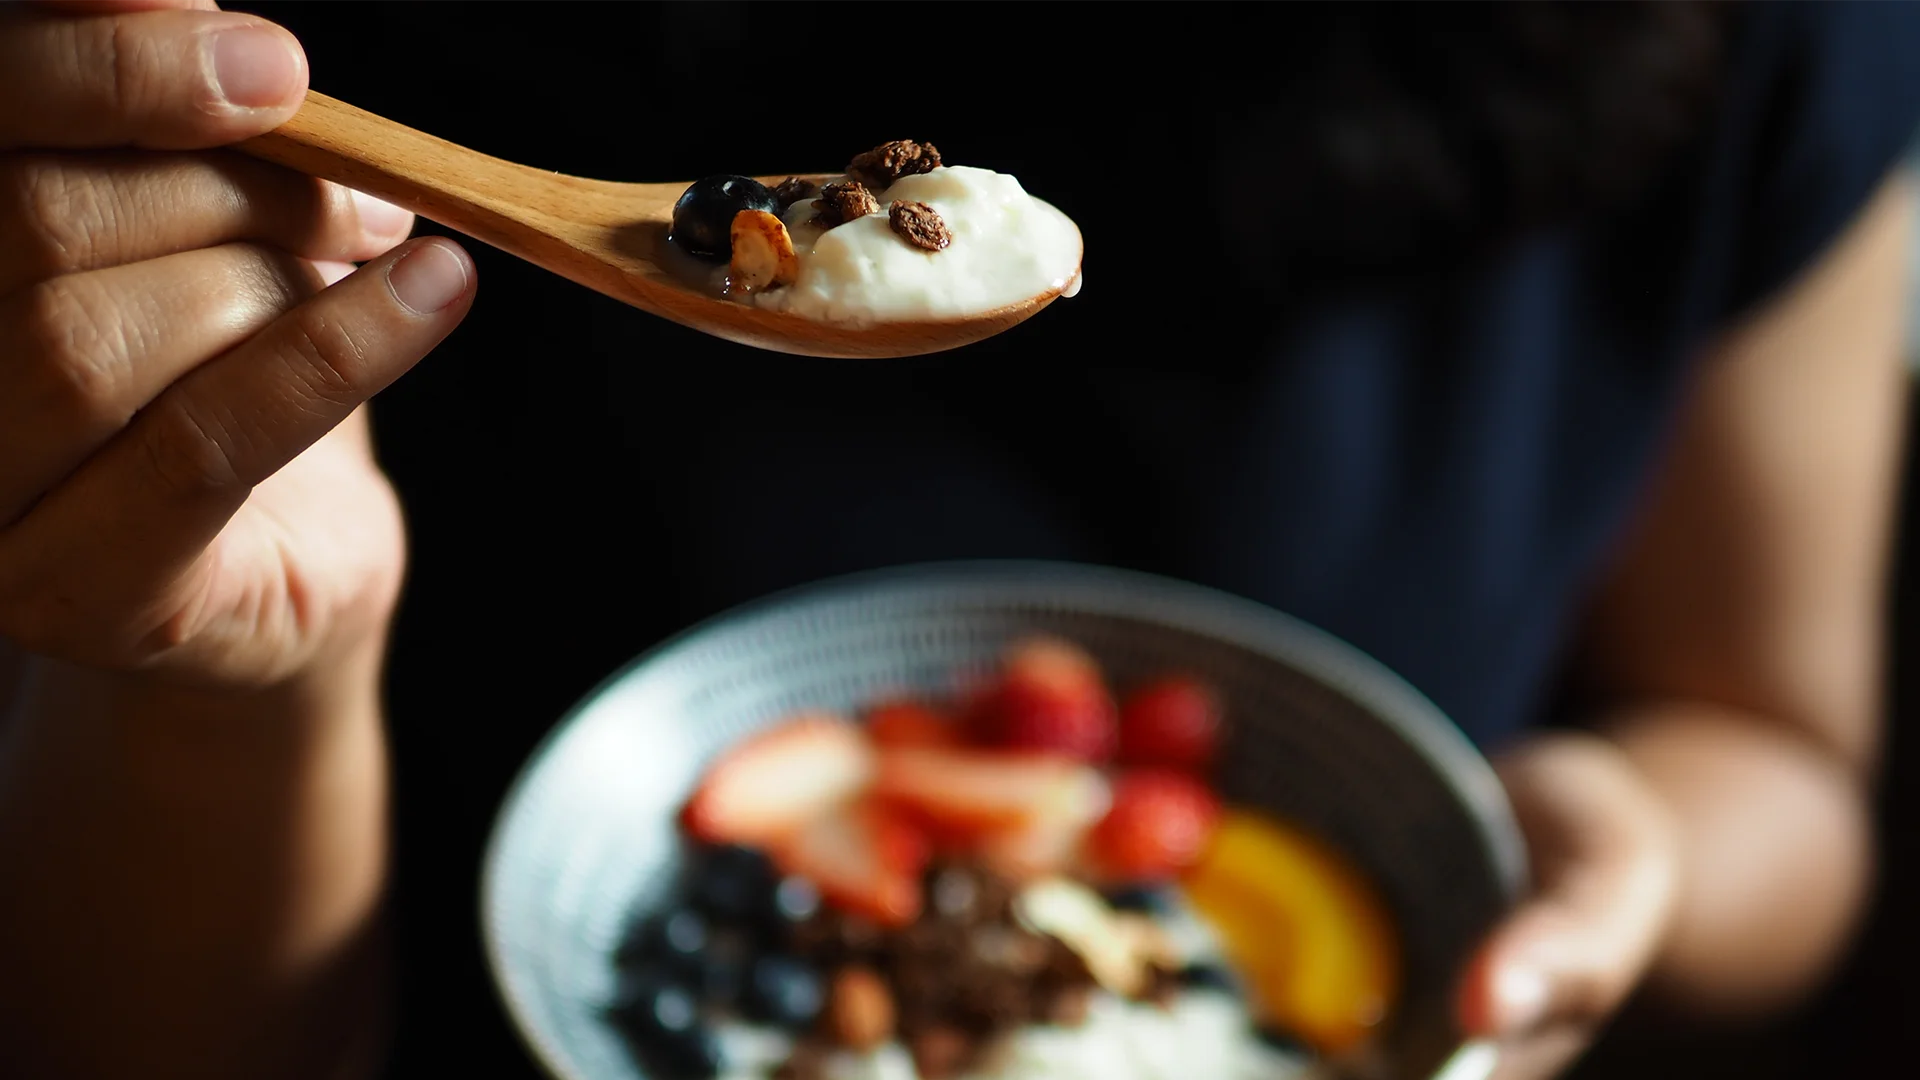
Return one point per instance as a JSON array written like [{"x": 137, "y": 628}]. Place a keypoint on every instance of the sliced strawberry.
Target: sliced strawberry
[
  {"x": 1050, "y": 698},
  {"x": 974, "y": 792},
  {"x": 1039, "y": 848},
  {"x": 1173, "y": 722},
  {"x": 863, "y": 859},
  {"x": 943, "y": 837},
  {"x": 776, "y": 781},
  {"x": 910, "y": 723},
  {"x": 1159, "y": 825}
]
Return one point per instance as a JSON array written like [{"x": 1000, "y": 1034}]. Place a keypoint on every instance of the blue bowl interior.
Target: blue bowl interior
[{"x": 1321, "y": 735}]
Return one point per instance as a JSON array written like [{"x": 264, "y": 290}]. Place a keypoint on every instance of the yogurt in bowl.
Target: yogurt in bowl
[{"x": 899, "y": 237}]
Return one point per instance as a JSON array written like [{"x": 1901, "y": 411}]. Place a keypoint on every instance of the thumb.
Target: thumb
[{"x": 1606, "y": 869}]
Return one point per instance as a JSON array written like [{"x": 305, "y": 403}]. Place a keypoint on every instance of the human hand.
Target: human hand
[
  {"x": 186, "y": 477},
  {"x": 1606, "y": 866}
]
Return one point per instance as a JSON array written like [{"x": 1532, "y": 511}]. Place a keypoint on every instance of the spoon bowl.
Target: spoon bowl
[{"x": 609, "y": 236}]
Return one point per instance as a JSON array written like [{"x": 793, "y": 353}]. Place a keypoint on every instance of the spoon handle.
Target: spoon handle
[{"x": 465, "y": 190}]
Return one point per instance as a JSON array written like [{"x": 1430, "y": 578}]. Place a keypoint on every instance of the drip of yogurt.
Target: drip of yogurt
[{"x": 1007, "y": 247}]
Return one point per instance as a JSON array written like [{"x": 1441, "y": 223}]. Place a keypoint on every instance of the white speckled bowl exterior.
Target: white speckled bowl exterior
[{"x": 1321, "y": 735}]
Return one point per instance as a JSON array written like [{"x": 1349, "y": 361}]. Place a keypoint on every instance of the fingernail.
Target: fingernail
[
  {"x": 428, "y": 278},
  {"x": 1519, "y": 998},
  {"x": 255, "y": 67},
  {"x": 379, "y": 218}
]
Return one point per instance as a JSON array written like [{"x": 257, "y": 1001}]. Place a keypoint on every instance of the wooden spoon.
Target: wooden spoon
[{"x": 607, "y": 236}]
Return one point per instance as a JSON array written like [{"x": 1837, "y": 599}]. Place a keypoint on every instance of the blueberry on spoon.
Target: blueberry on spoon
[{"x": 703, "y": 218}]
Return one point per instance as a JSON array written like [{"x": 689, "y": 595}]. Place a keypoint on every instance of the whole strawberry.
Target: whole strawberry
[
  {"x": 1160, "y": 823},
  {"x": 1051, "y": 698},
  {"x": 1174, "y": 722}
]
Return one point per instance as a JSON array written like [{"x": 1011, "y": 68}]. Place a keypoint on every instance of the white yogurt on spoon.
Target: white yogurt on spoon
[{"x": 1007, "y": 247}]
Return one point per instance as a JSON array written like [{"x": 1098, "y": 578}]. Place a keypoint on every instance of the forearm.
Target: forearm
[
  {"x": 1776, "y": 855},
  {"x": 198, "y": 874}
]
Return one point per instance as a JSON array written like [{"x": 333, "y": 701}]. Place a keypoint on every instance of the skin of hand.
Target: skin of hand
[
  {"x": 199, "y": 556},
  {"x": 1709, "y": 833},
  {"x": 171, "y": 356}
]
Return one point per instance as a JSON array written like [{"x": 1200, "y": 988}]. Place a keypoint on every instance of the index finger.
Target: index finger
[{"x": 155, "y": 79}]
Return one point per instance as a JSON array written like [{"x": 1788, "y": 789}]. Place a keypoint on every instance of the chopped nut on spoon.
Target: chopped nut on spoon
[
  {"x": 793, "y": 189},
  {"x": 841, "y": 203},
  {"x": 762, "y": 253},
  {"x": 881, "y": 166}
]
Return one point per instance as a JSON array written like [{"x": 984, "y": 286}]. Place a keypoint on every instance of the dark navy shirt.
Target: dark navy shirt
[{"x": 1434, "y": 473}]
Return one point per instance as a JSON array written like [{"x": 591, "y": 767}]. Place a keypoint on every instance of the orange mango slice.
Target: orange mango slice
[{"x": 1307, "y": 932}]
